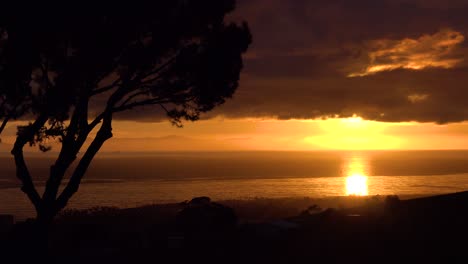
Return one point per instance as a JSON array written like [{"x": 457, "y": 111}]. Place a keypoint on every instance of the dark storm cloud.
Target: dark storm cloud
[
  {"x": 390, "y": 60},
  {"x": 399, "y": 95},
  {"x": 383, "y": 60}
]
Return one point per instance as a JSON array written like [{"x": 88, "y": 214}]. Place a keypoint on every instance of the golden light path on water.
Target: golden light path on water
[{"x": 356, "y": 180}]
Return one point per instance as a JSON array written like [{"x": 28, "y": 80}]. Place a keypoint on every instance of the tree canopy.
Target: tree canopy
[{"x": 178, "y": 55}]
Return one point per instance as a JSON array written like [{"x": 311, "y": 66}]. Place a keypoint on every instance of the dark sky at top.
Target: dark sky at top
[
  {"x": 389, "y": 60},
  {"x": 386, "y": 60}
]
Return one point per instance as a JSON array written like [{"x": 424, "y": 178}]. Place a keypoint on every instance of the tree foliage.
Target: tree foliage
[
  {"x": 14, "y": 88},
  {"x": 178, "y": 55}
]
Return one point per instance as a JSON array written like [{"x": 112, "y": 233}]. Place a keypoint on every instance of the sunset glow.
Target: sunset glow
[
  {"x": 219, "y": 134},
  {"x": 354, "y": 133},
  {"x": 356, "y": 171},
  {"x": 234, "y": 131}
]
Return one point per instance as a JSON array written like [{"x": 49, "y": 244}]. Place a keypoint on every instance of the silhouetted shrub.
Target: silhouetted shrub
[
  {"x": 202, "y": 215},
  {"x": 392, "y": 202}
]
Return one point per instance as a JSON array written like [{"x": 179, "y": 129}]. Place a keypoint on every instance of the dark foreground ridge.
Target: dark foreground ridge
[{"x": 383, "y": 230}]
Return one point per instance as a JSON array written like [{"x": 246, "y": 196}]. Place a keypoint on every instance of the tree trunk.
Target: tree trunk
[
  {"x": 46, "y": 213},
  {"x": 45, "y": 216},
  {"x": 57, "y": 172}
]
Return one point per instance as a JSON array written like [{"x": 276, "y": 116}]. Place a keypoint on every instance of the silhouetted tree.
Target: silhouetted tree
[
  {"x": 14, "y": 91},
  {"x": 75, "y": 67}
]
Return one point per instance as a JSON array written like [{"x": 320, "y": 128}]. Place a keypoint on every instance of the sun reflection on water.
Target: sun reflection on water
[{"x": 356, "y": 176}]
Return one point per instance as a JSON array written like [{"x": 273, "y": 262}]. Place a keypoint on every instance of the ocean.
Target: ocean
[{"x": 133, "y": 179}]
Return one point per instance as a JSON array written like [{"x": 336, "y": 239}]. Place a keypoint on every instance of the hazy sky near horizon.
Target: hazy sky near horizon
[
  {"x": 400, "y": 63},
  {"x": 271, "y": 134}
]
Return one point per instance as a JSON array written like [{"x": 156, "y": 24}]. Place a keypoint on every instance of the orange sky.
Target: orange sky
[{"x": 271, "y": 134}]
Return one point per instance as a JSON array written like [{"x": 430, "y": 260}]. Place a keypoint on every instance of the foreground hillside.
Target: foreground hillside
[{"x": 376, "y": 230}]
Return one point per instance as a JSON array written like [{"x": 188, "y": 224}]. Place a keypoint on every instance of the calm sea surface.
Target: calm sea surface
[{"x": 126, "y": 180}]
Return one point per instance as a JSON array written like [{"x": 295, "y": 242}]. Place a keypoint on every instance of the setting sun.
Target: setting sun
[
  {"x": 356, "y": 185},
  {"x": 353, "y": 121}
]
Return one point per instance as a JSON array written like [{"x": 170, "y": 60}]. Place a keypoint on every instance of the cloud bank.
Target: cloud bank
[{"x": 389, "y": 60}]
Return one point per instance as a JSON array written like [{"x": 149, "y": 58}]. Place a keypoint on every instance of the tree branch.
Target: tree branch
[
  {"x": 10, "y": 114},
  {"x": 4, "y": 123},
  {"x": 45, "y": 73},
  {"x": 22, "y": 172},
  {"x": 113, "y": 99},
  {"x": 4, "y": 100},
  {"x": 158, "y": 69},
  {"x": 129, "y": 98},
  {"x": 106, "y": 88},
  {"x": 104, "y": 133},
  {"x": 152, "y": 101},
  {"x": 69, "y": 150}
]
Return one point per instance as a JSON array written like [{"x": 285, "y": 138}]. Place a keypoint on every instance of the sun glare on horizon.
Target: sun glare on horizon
[
  {"x": 354, "y": 133},
  {"x": 356, "y": 179},
  {"x": 353, "y": 121}
]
